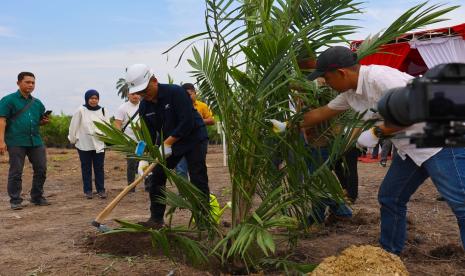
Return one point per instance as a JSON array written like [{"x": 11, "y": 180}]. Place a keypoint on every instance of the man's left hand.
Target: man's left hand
[{"x": 367, "y": 139}]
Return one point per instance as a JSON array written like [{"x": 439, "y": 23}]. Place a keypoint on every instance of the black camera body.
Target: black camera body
[{"x": 437, "y": 98}]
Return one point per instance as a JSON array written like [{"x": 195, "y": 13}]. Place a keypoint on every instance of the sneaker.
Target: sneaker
[
  {"x": 88, "y": 195},
  {"x": 383, "y": 163},
  {"x": 102, "y": 195},
  {"x": 152, "y": 224},
  {"x": 16, "y": 206},
  {"x": 40, "y": 202}
]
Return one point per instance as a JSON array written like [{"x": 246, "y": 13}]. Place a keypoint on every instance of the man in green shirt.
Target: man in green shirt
[{"x": 20, "y": 118}]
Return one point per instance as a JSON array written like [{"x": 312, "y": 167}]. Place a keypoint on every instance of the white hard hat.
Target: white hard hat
[{"x": 138, "y": 77}]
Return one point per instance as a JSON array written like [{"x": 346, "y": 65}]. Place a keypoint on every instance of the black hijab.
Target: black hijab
[{"x": 90, "y": 93}]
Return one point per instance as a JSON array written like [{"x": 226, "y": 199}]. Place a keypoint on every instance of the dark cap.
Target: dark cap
[
  {"x": 333, "y": 58},
  {"x": 188, "y": 86}
]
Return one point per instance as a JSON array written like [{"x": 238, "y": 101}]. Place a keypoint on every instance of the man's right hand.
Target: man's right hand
[
  {"x": 278, "y": 126},
  {"x": 3, "y": 148}
]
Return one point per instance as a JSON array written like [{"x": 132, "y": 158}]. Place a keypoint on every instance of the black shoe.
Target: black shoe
[
  {"x": 102, "y": 195},
  {"x": 152, "y": 224},
  {"x": 40, "y": 202},
  {"x": 88, "y": 195},
  {"x": 383, "y": 163},
  {"x": 16, "y": 206}
]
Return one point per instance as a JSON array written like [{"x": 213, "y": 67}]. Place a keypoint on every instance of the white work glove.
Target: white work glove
[
  {"x": 166, "y": 149},
  {"x": 278, "y": 127},
  {"x": 142, "y": 166},
  {"x": 367, "y": 139}
]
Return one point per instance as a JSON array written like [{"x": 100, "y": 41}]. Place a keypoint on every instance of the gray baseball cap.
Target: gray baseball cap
[{"x": 333, "y": 58}]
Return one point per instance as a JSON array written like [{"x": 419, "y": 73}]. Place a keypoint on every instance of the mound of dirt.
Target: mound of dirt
[
  {"x": 362, "y": 260},
  {"x": 125, "y": 244}
]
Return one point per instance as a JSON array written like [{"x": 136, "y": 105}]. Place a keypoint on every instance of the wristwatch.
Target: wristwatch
[{"x": 378, "y": 132}]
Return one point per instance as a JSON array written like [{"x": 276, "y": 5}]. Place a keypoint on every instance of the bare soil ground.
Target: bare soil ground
[{"x": 58, "y": 239}]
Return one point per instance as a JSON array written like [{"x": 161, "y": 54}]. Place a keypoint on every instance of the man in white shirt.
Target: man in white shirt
[
  {"x": 126, "y": 114},
  {"x": 361, "y": 87}
]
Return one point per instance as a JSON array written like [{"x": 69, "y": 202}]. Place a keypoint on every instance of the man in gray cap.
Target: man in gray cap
[{"x": 360, "y": 88}]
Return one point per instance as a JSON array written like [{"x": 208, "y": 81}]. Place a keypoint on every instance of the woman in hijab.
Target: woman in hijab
[{"x": 91, "y": 150}]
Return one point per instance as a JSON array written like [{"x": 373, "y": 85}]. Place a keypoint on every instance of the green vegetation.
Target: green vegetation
[
  {"x": 55, "y": 133},
  {"x": 247, "y": 71}
]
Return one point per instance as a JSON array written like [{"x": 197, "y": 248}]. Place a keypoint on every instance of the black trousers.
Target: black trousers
[
  {"x": 196, "y": 164},
  {"x": 38, "y": 158},
  {"x": 349, "y": 176},
  {"x": 131, "y": 169},
  {"x": 89, "y": 159}
]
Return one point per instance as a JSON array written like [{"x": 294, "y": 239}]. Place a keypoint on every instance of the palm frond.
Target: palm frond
[
  {"x": 414, "y": 18},
  {"x": 169, "y": 240}
]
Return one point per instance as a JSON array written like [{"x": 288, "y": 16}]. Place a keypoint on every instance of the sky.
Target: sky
[{"x": 73, "y": 46}]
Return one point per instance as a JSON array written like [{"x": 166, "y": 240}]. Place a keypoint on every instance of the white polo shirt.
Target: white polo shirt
[
  {"x": 124, "y": 114},
  {"x": 373, "y": 82}
]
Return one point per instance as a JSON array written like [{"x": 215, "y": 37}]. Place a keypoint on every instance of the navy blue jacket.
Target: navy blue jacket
[{"x": 173, "y": 115}]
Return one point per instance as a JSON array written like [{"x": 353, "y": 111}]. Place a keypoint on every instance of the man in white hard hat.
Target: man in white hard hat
[{"x": 176, "y": 126}]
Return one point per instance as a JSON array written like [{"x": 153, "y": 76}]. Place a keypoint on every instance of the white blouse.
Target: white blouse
[{"x": 82, "y": 129}]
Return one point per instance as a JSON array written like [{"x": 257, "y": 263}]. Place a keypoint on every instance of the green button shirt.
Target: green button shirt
[{"x": 24, "y": 130}]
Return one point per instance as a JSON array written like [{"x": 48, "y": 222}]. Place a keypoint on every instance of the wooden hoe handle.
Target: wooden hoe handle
[{"x": 104, "y": 214}]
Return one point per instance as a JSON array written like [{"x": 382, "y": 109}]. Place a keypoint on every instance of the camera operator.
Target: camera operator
[{"x": 361, "y": 88}]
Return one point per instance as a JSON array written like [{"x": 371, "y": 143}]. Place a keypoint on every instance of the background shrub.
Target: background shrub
[{"x": 55, "y": 134}]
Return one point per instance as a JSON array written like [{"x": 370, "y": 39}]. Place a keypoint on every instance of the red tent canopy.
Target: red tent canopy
[{"x": 399, "y": 55}]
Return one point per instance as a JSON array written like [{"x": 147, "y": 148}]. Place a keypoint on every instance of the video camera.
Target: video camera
[{"x": 437, "y": 98}]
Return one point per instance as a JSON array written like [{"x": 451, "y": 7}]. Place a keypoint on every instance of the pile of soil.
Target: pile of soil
[
  {"x": 122, "y": 244},
  {"x": 362, "y": 260}
]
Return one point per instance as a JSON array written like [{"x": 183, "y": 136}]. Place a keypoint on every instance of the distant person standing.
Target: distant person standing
[
  {"x": 127, "y": 114},
  {"x": 207, "y": 116},
  {"x": 20, "y": 118},
  {"x": 91, "y": 150}
]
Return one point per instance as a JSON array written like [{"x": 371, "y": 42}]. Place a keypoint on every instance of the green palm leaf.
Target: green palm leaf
[{"x": 414, "y": 18}]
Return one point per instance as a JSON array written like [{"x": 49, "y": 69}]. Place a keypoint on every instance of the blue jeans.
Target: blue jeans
[
  {"x": 181, "y": 168},
  {"x": 446, "y": 169},
  {"x": 338, "y": 209}
]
